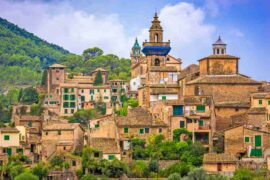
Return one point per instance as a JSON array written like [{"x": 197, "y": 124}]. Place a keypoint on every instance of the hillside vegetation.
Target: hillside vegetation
[{"x": 23, "y": 57}]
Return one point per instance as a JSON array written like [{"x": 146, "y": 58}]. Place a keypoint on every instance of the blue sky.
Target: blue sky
[{"x": 192, "y": 26}]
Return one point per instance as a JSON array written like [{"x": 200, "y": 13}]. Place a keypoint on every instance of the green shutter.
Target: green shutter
[
  {"x": 246, "y": 139},
  {"x": 141, "y": 131},
  {"x": 163, "y": 97},
  {"x": 9, "y": 151},
  {"x": 200, "y": 108},
  {"x": 65, "y": 90},
  {"x": 65, "y": 104},
  {"x": 256, "y": 152},
  {"x": 201, "y": 122},
  {"x": 182, "y": 124},
  {"x": 92, "y": 91},
  {"x": 96, "y": 125},
  {"x": 260, "y": 101},
  {"x": 66, "y": 97},
  {"x": 6, "y": 137},
  {"x": 98, "y": 90},
  {"x": 82, "y": 98},
  {"x": 111, "y": 157},
  {"x": 72, "y": 104},
  {"x": 258, "y": 140},
  {"x": 30, "y": 123},
  {"x": 92, "y": 98},
  {"x": 105, "y": 90},
  {"x": 72, "y": 89},
  {"x": 125, "y": 130},
  {"x": 268, "y": 102}
]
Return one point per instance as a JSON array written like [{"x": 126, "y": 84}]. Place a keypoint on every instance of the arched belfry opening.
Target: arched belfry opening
[{"x": 157, "y": 62}]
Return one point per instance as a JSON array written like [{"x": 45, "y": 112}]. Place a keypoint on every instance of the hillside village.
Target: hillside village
[{"x": 164, "y": 108}]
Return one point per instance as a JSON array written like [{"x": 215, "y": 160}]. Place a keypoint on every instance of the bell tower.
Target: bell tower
[
  {"x": 219, "y": 47},
  {"x": 135, "y": 52},
  {"x": 156, "y": 31}
]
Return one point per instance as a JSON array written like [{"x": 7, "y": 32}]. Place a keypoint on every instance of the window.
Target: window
[
  {"x": 146, "y": 130},
  {"x": 82, "y": 91},
  {"x": 73, "y": 163},
  {"x": 134, "y": 83},
  {"x": 65, "y": 105},
  {"x": 65, "y": 90},
  {"x": 157, "y": 62},
  {"x": 111, "y": 157},
  {"x": 200, "y": 108},
  {"x": 82, "y": 98},
  {"x": 201, "y": 122},
  {"x": 96, "y": 125},
  {"x": 6, "y": 137},
  {"x": 268, "y": 102},
  {"x": 141, "y": 131},
  {"x": 125, "y": 130},
  {"x": 156, "y": 37},
  {"x": 66, "y": 97},
  {"x": 260, "y": 101},
  {"x": 163, "y": 97},
  {"x": 177, "y": 110},
  {"x": 160, "y": 130},
  {"x": 57, "y": 79},
  {"x": 72, "y": 89},
  {"x": 114, "y": 90},
  {"x": 182, "y": 124},
  {"x": 30, "y": 124},
  {"x": 106, "y": 97},
  {"x": 92, "y": 91},
  {"x": 105, "y": 90},
  {"x": 114, "y": 98},
  {"x": 72, "y": 97},
  {"x": 72, "y": 111},
  {"x": 72, "y": 104},
  {"x": 46, "y": 133},
  {"x": 98, "y": 90},
  {"x": 92, "y": 98},
  {"x": 66, "y": 111},
  {"x": 59, "y": 132},
  {"x": 258, "y": 140},
  {"x": 246, "y": 139},
  {"x": 64, "y": 147}
]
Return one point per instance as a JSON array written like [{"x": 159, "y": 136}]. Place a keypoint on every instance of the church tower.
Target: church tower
[
  {"x": 219, "y": 47},
  {"x": 135, "y": 52},
  {"x": 156, "y": 31}
]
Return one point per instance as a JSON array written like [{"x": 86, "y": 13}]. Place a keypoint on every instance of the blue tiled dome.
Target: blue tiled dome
[{"x": 156, "y": 50}]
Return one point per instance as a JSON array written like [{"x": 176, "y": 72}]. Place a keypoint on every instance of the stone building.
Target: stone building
[
  {"x": 119, "y": 90},
  {"x": 10, "y": 140},
  {"x": 108, "y": 148},
  {"x": 154, "y": 76},
  {"x": 66, "y": 94},
  {"x": 219, "y": 78},
  {"x": 220, "y": 163},
  {"x": 246, "y": 140},
  {"x": 61, "y": 138}
]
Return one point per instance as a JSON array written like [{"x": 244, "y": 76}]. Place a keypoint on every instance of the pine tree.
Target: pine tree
[{"x": 98, "y": 79}]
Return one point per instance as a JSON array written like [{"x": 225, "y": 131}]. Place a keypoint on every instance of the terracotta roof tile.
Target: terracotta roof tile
[
  {"x": 220, "y": 56},
  {"x": 62, "y": 126},
  {"x": 223, "y": 79},
  {"x": 9, "y": 130},
  {"x": 257, "y": 110},
  {"x": 106, "y": 145},
  {"x": 219, "y": 158}
]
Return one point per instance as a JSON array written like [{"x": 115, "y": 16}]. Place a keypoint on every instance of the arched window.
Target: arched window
[
  {"x": 222, "y": 51},
  {"x": 156, "y": 37},
  {"x": 217, "y": 51},
  {"x": 157, "y": 62}
]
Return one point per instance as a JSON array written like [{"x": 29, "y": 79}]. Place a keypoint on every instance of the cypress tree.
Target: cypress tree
[{"x": 98, "y": 79}]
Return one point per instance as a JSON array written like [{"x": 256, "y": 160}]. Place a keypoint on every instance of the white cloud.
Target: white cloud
[{"x": 76, "y": 30}]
